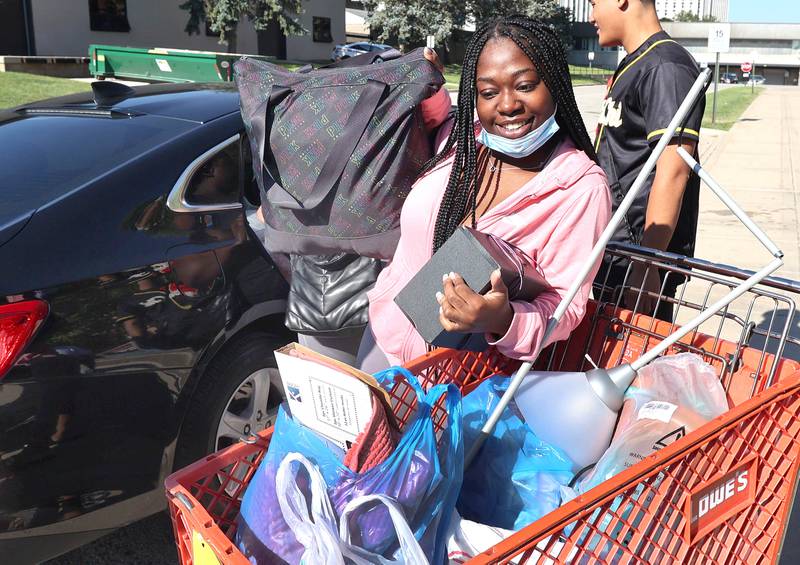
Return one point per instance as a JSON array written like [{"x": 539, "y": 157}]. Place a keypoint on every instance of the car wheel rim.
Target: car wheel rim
[{"x": 251, "y": 408}]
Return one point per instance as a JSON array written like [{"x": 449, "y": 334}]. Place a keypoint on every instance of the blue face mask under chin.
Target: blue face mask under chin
[{"x": 525, "y": 145}]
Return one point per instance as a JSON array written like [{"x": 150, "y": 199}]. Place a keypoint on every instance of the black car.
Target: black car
[{"x": 138, "y": 310}]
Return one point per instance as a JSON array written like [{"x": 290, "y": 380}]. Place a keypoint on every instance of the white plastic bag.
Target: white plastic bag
[
  {"x": 684, "y": 380},
  {"x": 468, "y": 539},
  {"x": 317, "y": 531}
]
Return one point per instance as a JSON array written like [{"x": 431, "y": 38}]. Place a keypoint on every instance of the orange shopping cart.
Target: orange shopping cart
[{"x": 720, "y": 494}]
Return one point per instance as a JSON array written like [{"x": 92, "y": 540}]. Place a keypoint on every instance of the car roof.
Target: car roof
[{"x": 197, "y": 102}]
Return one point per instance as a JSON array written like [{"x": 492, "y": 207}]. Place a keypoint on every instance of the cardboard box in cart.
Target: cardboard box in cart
[{"x": 658, "y": 511}]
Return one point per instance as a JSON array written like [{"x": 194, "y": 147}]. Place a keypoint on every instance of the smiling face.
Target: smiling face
[
  {"x": 607, "y": 19},
  {"x": 511, "y": 100}
]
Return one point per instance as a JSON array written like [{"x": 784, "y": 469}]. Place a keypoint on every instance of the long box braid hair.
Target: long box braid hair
[{"x": 544, "y": 48}]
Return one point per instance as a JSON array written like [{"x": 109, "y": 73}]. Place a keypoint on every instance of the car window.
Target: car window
[{"x": 216, "y": 181}]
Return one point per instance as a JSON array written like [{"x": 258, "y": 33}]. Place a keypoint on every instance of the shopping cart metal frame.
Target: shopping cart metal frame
[
  {"x": 754, "y": 375},
  {"x": 640, "y": 515}
]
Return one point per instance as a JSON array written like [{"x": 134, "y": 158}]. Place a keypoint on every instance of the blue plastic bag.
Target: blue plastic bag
[
  {"x": 422, "y": 479},
  {"x": 515, "y": 478}
]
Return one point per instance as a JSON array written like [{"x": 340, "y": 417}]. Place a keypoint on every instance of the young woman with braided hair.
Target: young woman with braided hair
[{"x": 524, "y": 171}]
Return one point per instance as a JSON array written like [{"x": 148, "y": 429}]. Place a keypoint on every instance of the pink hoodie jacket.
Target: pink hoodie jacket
[{"x": 556, "y": 219}]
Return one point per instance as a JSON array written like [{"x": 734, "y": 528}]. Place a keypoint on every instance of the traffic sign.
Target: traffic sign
[
  {"x": 719, "y": 38},
  {"x": 747, "y": 67}
]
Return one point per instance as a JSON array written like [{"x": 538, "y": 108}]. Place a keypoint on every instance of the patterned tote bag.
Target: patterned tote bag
[{"x": 337, "y": 149}]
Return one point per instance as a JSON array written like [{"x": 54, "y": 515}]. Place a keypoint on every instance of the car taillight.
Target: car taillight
[{"x": 18, "y": 324}]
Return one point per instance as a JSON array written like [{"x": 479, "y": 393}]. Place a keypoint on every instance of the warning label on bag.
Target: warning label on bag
[{"x": 657, "y": 410}]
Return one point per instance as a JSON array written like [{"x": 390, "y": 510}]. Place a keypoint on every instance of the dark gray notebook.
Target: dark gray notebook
[{"x": 473, "y": 255}]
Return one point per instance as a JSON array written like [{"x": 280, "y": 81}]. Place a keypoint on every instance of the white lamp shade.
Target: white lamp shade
[{"x": 564, "y": 410}]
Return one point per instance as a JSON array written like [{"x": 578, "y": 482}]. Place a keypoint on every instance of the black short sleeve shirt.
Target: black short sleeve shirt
[{"x": 642, "y": 99}]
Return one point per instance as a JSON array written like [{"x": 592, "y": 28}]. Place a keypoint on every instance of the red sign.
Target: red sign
[
  {"x": 711, "y": 504},
  {"x": 747, "y": 67}
]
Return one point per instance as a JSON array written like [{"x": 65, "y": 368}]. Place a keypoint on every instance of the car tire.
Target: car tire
[{"x": 221, "y": 401}]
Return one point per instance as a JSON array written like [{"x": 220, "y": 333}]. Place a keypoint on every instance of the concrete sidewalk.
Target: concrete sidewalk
[{"x": 755, "y": 163}]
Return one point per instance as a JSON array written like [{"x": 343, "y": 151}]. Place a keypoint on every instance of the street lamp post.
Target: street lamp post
[
  {"x": 753, "y": 73},
  {"x": 716, "y": 87}
]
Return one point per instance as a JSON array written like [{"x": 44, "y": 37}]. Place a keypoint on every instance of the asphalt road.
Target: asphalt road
[{"x": 147, "y": 542}]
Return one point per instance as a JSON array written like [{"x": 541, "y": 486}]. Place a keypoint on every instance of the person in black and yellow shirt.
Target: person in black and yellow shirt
[{"x": 643, "y": 96}]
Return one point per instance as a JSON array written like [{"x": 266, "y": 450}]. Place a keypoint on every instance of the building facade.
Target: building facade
[
  {"x": 718, "y": 9},
  {"x": 67, "y": 27},
  {"x": 584, "y": 38},
  {"x": 579, "y": 9},
  {"x": 773, "y": 48}
]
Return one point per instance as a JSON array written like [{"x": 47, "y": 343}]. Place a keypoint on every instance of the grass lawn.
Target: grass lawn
[
  {"x": 582, "y": 76},
  {"x": 452, "y": 77},
  {"x": 20, "y": 88},
  {"x": 731, "y": 103},
  {"x": 582, "y": 80},
  {"x": 294, "y": 66}
]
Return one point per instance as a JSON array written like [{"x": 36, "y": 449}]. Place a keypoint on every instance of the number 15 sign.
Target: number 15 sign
[{"x": 719, "y": 38}]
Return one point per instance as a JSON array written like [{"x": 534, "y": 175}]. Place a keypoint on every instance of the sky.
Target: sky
[{"x": 771, "y": 11}]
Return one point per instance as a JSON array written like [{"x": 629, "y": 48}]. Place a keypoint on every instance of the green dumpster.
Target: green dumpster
[{"x": 170, "y": 65}]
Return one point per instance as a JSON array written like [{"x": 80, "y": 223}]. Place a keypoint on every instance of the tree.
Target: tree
[
  {"x": 686, "y": 16},
  {"x": 223, "y": 16},
  {"x": 709, "y": 18},
  {"x": 548, "y": 11},
  {"x": 409, "y": 22}
]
